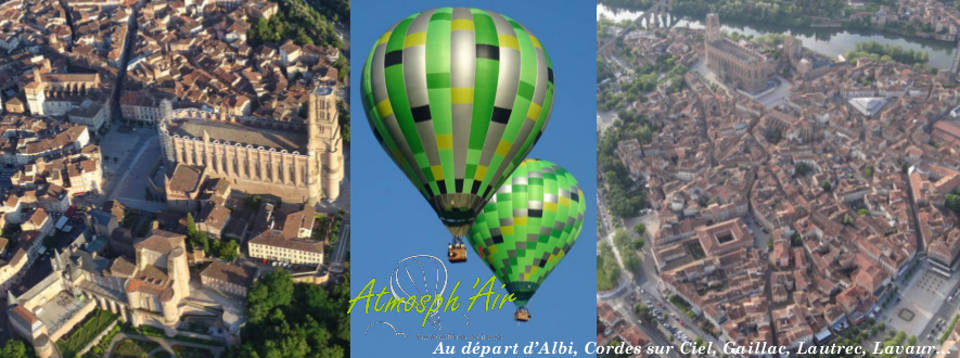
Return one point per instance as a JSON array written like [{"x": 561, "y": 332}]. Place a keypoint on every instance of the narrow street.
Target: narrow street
[
  {"x": 128, "y": 45},
  {"x": 342, "y": 247}
]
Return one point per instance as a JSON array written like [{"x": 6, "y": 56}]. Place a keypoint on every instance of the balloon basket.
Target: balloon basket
[
  {"x": 456, "y": 253},
  {"x": 521, "y": 315}
]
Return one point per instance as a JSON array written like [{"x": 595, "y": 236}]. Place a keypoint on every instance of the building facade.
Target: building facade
[
  {"x": 229, "y": 278},
  {"x": 54, "y": 94},
  {"x": 274, "y": 246},
  {"x": 297, "y": 162},
  {"x": 148, "y": 292},
  {"x": 734, "y": 64}
]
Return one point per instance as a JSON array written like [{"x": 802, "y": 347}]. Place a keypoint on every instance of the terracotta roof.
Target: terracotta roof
[
  {"x": 298, "y": 220},
  {"x": 38, "y": 217},
  {"x": 722, "y": 237},
  {"x": 280, "y": 139},
  {"x": 276, "y": 238},
  {"x": 217, "y": 216},
  {"x": 137, "y": 285},
  {"x": 24, "y": 314},
  {"x": 185, "y": 179},
  {"x": 235, "y": 274},
  {"x": 948, "y": 127},
  {"x": 123, "y": 268},
  {"x": 161, "y": 241}
]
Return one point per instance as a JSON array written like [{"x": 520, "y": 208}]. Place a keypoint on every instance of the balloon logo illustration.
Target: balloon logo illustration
[
  {"x": 457, "y": 97},
  {"x": 419, "y": 275},
  {"x": 528, "y": 227}
]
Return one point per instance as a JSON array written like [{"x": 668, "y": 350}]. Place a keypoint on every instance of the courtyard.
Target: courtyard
[
  {"x": 921, "y": 303},
  {"x": 130, "y": 156}
]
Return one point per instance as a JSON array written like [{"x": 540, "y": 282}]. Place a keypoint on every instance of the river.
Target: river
[{"x": 829, "y": 42}]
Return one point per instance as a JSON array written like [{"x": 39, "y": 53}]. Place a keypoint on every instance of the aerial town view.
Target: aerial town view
[
  {"x": 779, "y": 173},
  {"x": 173, "y": 178}
]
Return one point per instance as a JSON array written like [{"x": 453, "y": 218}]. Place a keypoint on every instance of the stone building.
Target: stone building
[
  {"x": 150, "y": 291},
  {"x": 734, "y": 64},
  {"x": 78, "y": 95},
  {"x": 229, "y": 278},
  {"x": 287, "y": 240},
  {"x": 298, "y": 162}
]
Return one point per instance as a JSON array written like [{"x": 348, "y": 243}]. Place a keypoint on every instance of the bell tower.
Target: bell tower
[
  {"x": 713, "y": 28},
  {"x": 35, "y": 93},
  {"x": 325, "y": 146}
]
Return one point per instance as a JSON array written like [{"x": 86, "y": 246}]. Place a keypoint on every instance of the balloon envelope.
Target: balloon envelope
[
  {"x": 529, "y": 225},
  {"x": 457, "y": 97}
]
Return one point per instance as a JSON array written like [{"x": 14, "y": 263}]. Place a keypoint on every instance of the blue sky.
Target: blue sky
[{"x": 391, "y": 221}]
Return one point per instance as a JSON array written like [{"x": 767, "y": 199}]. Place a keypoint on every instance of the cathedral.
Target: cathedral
[
  {"x": 734, "y": 64},
  {"x": 299, "y": 162}
]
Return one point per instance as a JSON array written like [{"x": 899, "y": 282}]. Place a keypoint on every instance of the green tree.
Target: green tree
[
  {"x": 332, "y": 352},
  {"x": 14, "y": 348},
  {"x": 191, "y": 224},
  {"x": 796, "y": 239},
  {"x": 625, "y": 245},
  {"x": 952, "y": 201},
  {"x": 608, "y": 273},
  {"x": 826, "y": 186},
  {"x": 847, "y": 219},
  {"x": 196, "y": 239},
  {"x": 802, "y": 169},
  {"x": 296, "y": 320},
  {"x": 642, "y": 311},
  {"x": 228, "y": 251},
  {"x": 274, "y": 289},
  {"x": 640, "y": 229}
]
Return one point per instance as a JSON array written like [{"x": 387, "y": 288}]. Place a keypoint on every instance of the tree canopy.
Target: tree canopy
[
  {"x": 887, "y": 53},
  {"x": 299, "y": 22},
  {"x": 623, "y": 196},
  {"x": 15, "y": 348},
  {"x": 952, "y": 200},
  {"x": 297, "y": 320}
]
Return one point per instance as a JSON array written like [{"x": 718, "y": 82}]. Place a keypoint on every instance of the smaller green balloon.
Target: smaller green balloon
[{"x": 529, "y": 225}]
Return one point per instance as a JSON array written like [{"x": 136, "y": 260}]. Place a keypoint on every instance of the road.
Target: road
[
  {"x": 649, "y": 327},
  {"x": 645, "y": 283},
  {"x": 343, "y": 246},
  {"x": 128, "y": 45}
]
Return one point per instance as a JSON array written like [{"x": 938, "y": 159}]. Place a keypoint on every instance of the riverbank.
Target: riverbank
[
  {"x": 828, "y": 41},
  {"x": 800, "y": 24}
]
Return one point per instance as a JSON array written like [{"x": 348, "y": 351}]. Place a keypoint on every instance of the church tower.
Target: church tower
[
  {"x": 713, "y": 28},
  {"x": 34, "y": 92},
  {"x": 325, "y": 146}
]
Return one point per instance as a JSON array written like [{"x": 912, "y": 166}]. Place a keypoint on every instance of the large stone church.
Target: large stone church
[
  {"x": 734, "y": 64},
  {"x": 299, "y": 162}
]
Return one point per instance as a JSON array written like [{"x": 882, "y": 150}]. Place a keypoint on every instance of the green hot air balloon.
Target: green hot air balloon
[
  {"x": 528, "y": 226},
  {"x": 457, "y": 97}
]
